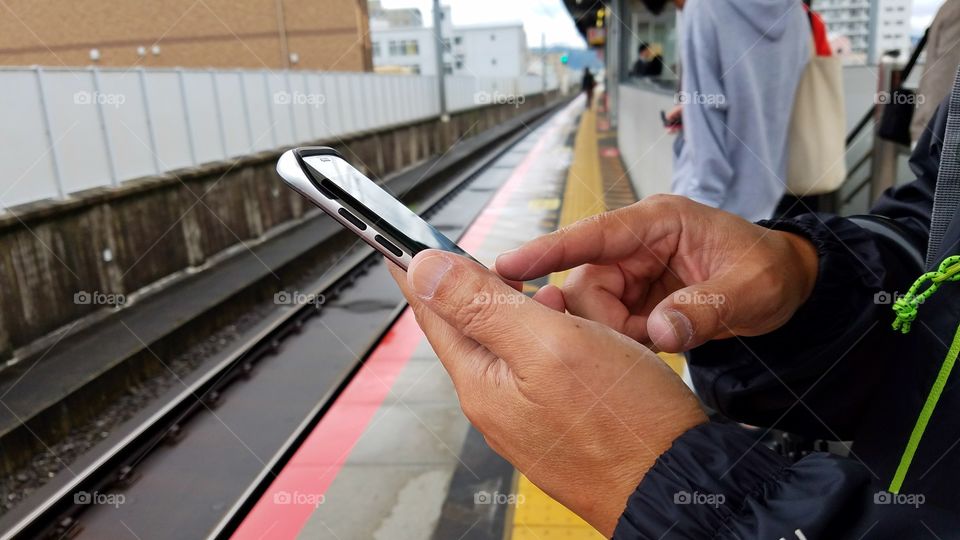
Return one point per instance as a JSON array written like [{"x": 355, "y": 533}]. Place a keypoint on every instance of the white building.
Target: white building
[
  {"x": 479, "y": 51},
  {"x": 872, "y": 26}
]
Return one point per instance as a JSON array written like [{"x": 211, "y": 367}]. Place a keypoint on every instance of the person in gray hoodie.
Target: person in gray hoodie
[{"x": 742, "y": 61}]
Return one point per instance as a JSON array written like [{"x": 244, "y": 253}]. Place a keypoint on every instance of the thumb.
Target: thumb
[
  {"x": 478, "y": 303},
  {"x": 692, "y": 316}
]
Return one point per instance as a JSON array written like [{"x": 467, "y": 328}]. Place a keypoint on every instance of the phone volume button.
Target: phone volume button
[
  {"x": 352, "y": 219},
  {"x": 388, "y": 244}
]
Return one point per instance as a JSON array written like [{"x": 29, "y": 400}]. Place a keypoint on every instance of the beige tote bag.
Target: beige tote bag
[{"x": 816, "y": 159}]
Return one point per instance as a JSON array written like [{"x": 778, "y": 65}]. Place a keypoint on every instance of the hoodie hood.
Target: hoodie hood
[{"x": 769, "y": 18}]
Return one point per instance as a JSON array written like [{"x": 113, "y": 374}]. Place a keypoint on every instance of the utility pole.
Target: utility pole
[
  {"x": 438, "y": 36},
  {"x": 543, "y": 59}
]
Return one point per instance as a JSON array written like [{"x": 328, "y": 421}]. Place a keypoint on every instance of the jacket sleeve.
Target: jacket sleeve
[
  {"x": 791, "y": 376},
  {"x": 704, "y": 171},
  {"x": 718, "y": 482}
]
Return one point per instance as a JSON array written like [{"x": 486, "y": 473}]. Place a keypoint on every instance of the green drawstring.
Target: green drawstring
[
  {"x": 906, "y": 310},
  {"x": 906, "y": 306}
]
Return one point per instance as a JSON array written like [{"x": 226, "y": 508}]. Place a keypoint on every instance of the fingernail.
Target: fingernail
[
  {"x": 427, "y": 274},
  {"x": 507, "y": 254},
  {"x": 681, "y": 325}
]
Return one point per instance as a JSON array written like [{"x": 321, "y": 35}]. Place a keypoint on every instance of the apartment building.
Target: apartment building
[
  {"x": 400, "y": 44},
  {"x": 872, "y": 27}
]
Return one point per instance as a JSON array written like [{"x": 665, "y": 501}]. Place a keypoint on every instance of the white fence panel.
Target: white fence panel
[
  {"x": 81, "y": 149},
  {"x": 169, "y": 119},
  {"x": 281, "y": 111},
  {"x": 203, "y": 112},
  {"x": 125, "y": 117},
  {"x": 26, "y": 160},
  {"x": 301, "y": 103},
  {"x": 258, "y": 107},
  {"x": 320, "y": 111},
  {"x": 233, "y": 113},
  {"x": 69, "y": 130}
]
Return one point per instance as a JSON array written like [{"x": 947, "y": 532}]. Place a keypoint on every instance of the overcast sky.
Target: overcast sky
[
  {"x": 550, "y": 17},
  {"x": 923, "y": 12}
]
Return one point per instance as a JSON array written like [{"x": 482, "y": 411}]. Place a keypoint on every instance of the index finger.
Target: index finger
[{"x": 601, "y": 239}]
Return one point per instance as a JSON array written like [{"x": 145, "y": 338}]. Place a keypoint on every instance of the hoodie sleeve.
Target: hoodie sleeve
[
  {"x": 704, "y": 171},
  {"x": 718, "y": 482},
  {"x": 759, "y": 379}
]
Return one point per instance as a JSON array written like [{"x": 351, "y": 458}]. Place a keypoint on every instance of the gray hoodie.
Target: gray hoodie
[{"x": 742, "y": 61}]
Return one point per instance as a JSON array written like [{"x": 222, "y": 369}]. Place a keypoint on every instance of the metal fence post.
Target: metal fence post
[
  {"x": 293, "y": 118},
  {"x": 107, "y": 141},
  {"x": 154, "y": 152},
  {"x": 246, "y": 110},
  {"x": 270, "y": 104},
  {"x": 186, "y": 116},
  {"x": 312, "y": 101},
  {"x": 54, "y": 153},
  {"x": 217, "y": 102}
]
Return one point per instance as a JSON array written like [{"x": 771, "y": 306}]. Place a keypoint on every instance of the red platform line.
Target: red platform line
[{"x": 299, "y": 489}]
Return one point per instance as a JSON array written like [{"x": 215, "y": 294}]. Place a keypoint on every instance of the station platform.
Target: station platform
[{"x": 394, "y": 457}]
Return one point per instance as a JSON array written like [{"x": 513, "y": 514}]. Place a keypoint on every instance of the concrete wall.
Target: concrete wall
[{"x": 64, "y": 260}]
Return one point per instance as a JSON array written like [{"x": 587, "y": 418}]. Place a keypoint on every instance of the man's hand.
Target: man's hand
[
  {"x": 675, "y": 117},
  {"x": 673, "y": 273},
  {"x": 580, "y": 409}
]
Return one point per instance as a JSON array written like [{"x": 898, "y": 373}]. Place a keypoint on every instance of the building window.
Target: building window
[
  {"x": 457, "y": 40},
  {"x": 493, "y": 37},
  {"x": 376, "y": 48},
  {"x": 493, "y": 61}
]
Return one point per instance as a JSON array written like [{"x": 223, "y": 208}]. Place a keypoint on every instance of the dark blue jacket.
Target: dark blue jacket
[{"x": 836, "y": 371}]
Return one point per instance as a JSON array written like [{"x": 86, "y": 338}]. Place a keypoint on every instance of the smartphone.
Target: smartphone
[
  {"x": 676, "y": 122},
  {"x": 360, "y": 205}
]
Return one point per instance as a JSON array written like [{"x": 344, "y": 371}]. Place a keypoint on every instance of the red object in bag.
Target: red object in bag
[{"x": 820, "y": 40}]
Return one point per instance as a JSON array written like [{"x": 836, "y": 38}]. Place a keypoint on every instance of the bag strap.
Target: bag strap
[
  {"x": 946, "y": 198},
  {"x": 914, "y": 57}
]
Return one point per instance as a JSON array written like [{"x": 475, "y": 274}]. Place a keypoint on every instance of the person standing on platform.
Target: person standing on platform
[
  {"x": 742, "y": 61},
  {"x": 588, "y": 84}
]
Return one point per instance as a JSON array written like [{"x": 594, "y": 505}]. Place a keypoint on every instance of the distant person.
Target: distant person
[
  {"x": 943, "y": 56},
  {"x": 742, "y": 61},
  {"x": 588, "y": 84},
  {"x": 649, "y": 63}
]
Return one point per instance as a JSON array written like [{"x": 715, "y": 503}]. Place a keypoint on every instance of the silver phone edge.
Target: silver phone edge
[{"x": 290, "y": 171}]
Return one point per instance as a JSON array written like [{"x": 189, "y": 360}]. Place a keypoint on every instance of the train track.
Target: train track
[{"x": 58, "y": 516}]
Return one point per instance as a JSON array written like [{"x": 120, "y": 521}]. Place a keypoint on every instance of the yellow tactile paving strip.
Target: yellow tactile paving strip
[{"x": 537, "y": 516}]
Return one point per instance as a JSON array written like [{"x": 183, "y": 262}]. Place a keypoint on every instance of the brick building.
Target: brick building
[{"x": 304, "y": 34}]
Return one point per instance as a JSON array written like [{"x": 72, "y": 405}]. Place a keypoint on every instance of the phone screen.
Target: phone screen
[{"x": 381, "y": 209}]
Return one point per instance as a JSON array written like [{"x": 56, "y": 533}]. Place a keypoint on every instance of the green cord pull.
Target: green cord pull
[{"x": 906, "y": 306}]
